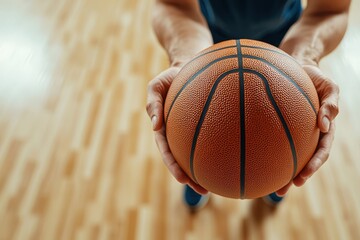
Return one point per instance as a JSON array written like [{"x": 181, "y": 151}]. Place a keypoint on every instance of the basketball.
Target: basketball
[{"x": 241, "y": 118}]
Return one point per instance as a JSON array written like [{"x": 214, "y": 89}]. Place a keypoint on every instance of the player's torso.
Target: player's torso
[{"x": 248, "y": 18}]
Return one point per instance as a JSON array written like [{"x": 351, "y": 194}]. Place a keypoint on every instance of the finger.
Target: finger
[
  {"x": 281, "y": 192},
  {"x": 157, "y": 91},
  {"x": 154, "y": 106},
  {"x": 319, "y": 158},
  {"x": 197, "y": 188},
  {"x": 328, "y": 93},
  {"x": 172, "y": 165},
  {"x": 300, "y": 180},
  {"x": 329, "y": 107},
  {"x": 168, "y": 158}
]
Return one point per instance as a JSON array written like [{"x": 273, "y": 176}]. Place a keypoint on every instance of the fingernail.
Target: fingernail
[
  {"x": 154, "y": 120},
  {"x": 326, "y": 122}
]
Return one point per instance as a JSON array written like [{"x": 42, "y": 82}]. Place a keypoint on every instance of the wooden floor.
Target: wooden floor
[{"x": 77, "y": 155}]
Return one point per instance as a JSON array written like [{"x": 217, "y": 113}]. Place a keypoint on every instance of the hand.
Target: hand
[
  {"x": 328, "y": 93},
  {"x": 157, "y": 91}
]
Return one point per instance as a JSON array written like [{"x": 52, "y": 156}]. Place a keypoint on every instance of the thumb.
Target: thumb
[
  {"x": 328, "y": 93},
  {"x": 154, "y": 108},
  {"x": 329, "y": 107},
  {"x": 157, "y": 91}
]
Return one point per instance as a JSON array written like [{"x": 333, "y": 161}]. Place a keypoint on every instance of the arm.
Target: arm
[
  {"x": 182, "y": 31},
  {"x": 317, "y": 33}
]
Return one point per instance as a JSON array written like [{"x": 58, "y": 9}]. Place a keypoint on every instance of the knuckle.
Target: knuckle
[
  {"x": 154, "y": 100},
  {"x": 333, "y": 107},
  {"x": 332, "y": 87},
  {"x": 149, "y": 108},
  {"x": 326, "y": 155},
  {"x": 151, "y": 85},
  {"x": 336, "y": 88},
  {"x": 155, "y": 89},
  {"x": 311, "y": 169}
]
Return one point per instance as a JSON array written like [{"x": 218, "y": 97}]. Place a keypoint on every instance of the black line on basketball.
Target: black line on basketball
[
  {"x": 212, "y": 51},
  {"x": 271, "y": 50},
  {"x": 242, "y": 120},
  {"x": 202, "y": 117},
  {"x": 206, "y": 53},
  {"x": 194, "y": 77},
  {"x": 282, "y": 119},
  {"x": 286, "y": 76}
]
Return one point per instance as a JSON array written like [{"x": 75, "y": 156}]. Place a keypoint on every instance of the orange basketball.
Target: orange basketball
[{"x": 241, "y": 118}]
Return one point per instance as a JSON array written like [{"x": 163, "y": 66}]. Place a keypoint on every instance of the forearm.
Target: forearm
[
  {"x": 315, "y": 35},
  {"x": 180, "y": 29}
]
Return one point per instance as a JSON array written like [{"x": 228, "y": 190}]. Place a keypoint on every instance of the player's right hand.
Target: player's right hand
[{"x": 157, "y": 91}]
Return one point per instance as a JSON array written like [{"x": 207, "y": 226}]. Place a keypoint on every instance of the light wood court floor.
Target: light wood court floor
[{"x": 77, "y": 156}]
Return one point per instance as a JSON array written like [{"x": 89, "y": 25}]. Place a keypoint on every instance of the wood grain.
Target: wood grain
[{"x": 77, "y": 154}]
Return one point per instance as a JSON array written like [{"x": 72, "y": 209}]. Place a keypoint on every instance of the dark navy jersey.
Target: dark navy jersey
[{"x": 265, "y": 20}]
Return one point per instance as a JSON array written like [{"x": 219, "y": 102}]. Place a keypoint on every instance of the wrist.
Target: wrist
[
  {"x": 306, "y": 61},
  {"x": 304, "y": 54},
  {"x": 177, "y": 63},
  {"x": 183, "y": 50},
  {"x": 305, "y": 58}
]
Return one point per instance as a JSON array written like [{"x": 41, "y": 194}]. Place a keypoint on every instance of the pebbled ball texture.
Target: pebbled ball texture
[{"x": 241, "y": 118}]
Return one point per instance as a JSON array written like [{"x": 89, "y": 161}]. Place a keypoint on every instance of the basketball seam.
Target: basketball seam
[
  {"x": 272, "y": 50},
  {"x": 286, "y": 76},
  {"x": 193, "y": 77},
  {"x": 281, "y": 117},
  {"x": 202, "y": 117},
  {"x": 242, "y": 119},
  {"x": 212, "y": 51}
]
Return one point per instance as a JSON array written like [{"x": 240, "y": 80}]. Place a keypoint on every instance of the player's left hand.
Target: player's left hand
[{"x": 328, "y": 93}]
